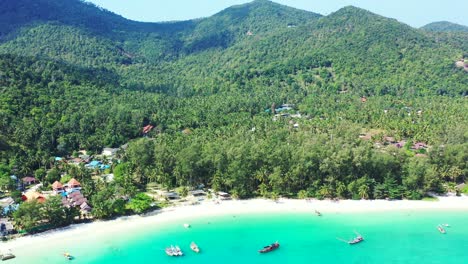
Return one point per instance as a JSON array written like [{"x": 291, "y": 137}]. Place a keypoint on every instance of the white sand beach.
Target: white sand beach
[{"x": 184, "y": 214}]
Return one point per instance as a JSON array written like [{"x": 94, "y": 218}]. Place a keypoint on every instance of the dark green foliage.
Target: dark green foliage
[
  {"x": 28, "y": 216},
  {"x": 32, "y": 215},
  {"x": 140, "y": 203}
]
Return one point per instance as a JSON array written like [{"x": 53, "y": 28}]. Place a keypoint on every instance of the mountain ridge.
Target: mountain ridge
[
  {"x": 259, "y": 35},
  {"x": 445, "y": 26}
]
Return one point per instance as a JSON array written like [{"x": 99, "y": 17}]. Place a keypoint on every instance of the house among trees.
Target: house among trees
[
  {"x": 93, "y": 164},
  {"x": 85, "y": 158},
  {"x": 33, "y": 196},
  {"x": 75, "y": 161},
  {"x": 6, "y": 227},
  {"x": 73, "y": 185},
  {"x": 76, "y": 199},
  {"x": 147, "y": 129},
  {"x": 57, "y": 187},
  {"x": 109, "y": 152},
  {"x": 399, "y": 144},
  {"x": 419, "y": 146},
  {"x": 72, "y": 196},
  {"x": 29, "y": 180},
  {"x": 85, "y": 208},
  {"x": 8, "y": 205}
]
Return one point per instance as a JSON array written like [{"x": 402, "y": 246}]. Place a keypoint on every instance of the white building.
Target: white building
[{"x": 109, "y": 152}]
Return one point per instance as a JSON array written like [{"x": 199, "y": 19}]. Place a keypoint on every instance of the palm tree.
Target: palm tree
[{"x": 363, "y": 191}]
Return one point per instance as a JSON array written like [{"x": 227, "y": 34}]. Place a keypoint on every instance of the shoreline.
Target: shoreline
[{"x": 184, "y": 214}]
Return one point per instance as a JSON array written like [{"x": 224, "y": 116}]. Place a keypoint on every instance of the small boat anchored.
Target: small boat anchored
[
  {"x": 194, "y": 247},
  {"x": 355, "y": 240},
  {"x": 318, "y": 213},
  {"x": 269, "y": 248},
  {"x": 441, "y": 229},
  {"x": 6, "y": 255},
  {"x": 187, "y": 225},
  {"x": 68, "y": 256},
  {"x": 174, "y": 251}
]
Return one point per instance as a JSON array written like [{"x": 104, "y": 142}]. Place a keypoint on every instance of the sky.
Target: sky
[{"x": 415, "y": 13}]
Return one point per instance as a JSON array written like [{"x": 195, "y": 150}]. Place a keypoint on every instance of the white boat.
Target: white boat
[
  {"x": 6, "y": 255},
  {"x": 178, "y": 251},
  {"x": 170, "y": 251},
  {"x": 441, "y": 229},
  {"x": 187, "y": 225},
  {"x": 194, "y": 247},
  {"x": 68, "y": 256}
]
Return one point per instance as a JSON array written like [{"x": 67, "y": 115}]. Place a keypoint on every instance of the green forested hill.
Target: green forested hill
[
  {"x": 350, "y": 50},
  {"x": 73, "y": 76},
  {"x": 25, "y": 19},
  {"x": 444, "y": 26}
]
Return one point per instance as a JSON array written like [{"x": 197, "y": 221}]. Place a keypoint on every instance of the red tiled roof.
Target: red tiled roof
[
  {"x": 57, "y": 185},
  {"x": 147, "y": 128},
  {"x": 74, "y": 182},
  {"x": 30, "y": 196}
]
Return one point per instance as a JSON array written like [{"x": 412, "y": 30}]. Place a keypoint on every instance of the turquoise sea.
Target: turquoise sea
[{"x": 390, "y": 237}]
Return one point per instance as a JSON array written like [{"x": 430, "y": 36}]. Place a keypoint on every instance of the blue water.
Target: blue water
[{"x": 391, "y": 237}]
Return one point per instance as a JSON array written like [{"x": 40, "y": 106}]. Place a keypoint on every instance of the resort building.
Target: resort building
[
  {"x": 33, "y": 196},
  {"x": 73, "y": 185},
  {"x": 57, "y": 187},
  {"x": 224, "y": 196}
]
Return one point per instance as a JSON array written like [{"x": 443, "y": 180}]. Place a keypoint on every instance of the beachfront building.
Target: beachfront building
[
  {"x": 8, "y": 205},
  {"x": 224, "y": 196},
  {"x": 197, "y": 193},
  {"x": 170, "y": 195},
  {"x": 6, "y": 227},
  {"x": 73, "y": 197}
]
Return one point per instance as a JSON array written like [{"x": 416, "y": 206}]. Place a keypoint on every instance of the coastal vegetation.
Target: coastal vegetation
[{"x": 257, "y": 100}]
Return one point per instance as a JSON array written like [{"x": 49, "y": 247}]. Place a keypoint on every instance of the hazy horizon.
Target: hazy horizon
[{"x": 416, "y": 13}]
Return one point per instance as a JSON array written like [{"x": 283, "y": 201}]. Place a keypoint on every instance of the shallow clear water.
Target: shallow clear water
[{"x": 390, "y": 237}]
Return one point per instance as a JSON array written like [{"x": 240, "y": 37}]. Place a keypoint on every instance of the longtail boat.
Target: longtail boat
[
  {"x": 179, "y": 251},
  {"x": 355, "y": 240},
  {"x": 174, "y": 251},
  {"x": 441, "y": 229},
  {"x": 68, "y": 256},
  {"x": 269, "y": 248},
  {"x": 194, "y": 247}
]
